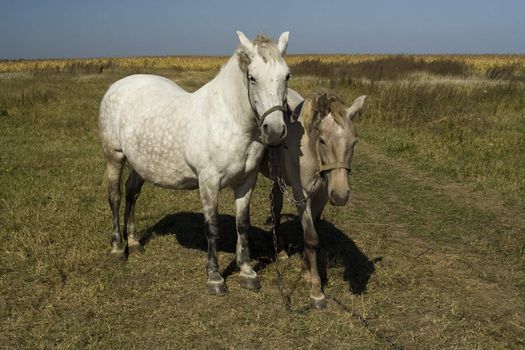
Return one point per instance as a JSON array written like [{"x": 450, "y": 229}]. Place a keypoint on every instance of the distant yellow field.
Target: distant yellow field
[{"x": 477, "y": 62}]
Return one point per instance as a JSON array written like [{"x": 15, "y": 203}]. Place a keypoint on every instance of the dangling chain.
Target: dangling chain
[{"x": 274, "y": 164}]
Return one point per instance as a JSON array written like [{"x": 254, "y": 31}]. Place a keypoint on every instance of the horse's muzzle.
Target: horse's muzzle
[{"x": 273, "y": 130}]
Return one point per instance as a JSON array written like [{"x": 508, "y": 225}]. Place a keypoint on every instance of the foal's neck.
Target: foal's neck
[{"x": 309, "y": 139}]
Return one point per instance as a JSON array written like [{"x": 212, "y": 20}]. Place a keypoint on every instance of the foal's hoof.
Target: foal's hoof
[
  {"x": 282, "y": 256},
  {"x": 318, "y": 302},
  {"x": 217, "y": 288},
  {"x": 135, "y": 248},
  {"x": 252, "y": 283}
]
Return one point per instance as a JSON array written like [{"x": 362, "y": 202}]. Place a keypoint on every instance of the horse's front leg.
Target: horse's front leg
[
  {"x": 247, "y": 276},
  {"x": 311, "y": 243},
  {"x": 209, "y": 193}
]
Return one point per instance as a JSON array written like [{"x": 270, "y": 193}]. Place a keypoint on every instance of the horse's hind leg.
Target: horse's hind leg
[
  {"x": 247, "y": 277},
  {"x": 114, "y": 166},
  {"x": 133, "y": 186}
]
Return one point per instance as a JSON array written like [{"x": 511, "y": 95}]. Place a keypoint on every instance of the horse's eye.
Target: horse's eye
[
  {"x": 252, "y": 79},
  {"x": 322, "y": 141},
  {"x": 288, "y": 76}
]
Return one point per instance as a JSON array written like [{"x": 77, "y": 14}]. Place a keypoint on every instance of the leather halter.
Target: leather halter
[
  {"x": 260, "y": 119},
  {"x": 323, "y": 168}
]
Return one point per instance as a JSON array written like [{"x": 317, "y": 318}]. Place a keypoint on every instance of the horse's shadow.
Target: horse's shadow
[{"x": 336, "y": 248}]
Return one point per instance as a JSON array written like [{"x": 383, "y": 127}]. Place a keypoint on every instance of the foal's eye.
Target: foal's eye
[
  {"x": 252, "y": 79},
  {"x": 288, "y": 76}
]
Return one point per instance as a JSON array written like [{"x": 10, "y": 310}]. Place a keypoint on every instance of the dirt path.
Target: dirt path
[{"x": 451, "y": 269}]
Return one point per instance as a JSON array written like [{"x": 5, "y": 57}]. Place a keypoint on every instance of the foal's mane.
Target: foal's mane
[{"x": 319, "y": 104}]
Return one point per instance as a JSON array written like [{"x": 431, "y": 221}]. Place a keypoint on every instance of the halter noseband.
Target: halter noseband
[
  {"x": 260, "y": 119},
  {"x": 323, "y": 168}
]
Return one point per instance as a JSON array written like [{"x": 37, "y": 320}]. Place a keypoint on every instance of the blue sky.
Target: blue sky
[{"x": 71, "y": 28}]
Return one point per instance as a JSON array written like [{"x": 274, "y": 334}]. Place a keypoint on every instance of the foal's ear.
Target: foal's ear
[
  {"x": 283, "y": 43},
  {"x": 322, "y": 105},
  {"x": 356, "y": 107},
  {"x": 320, "y": 108},
  {"x": 247, "y": 44}
]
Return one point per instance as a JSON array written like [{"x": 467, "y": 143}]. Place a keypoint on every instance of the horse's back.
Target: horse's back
[
  {"x": 130, "y": 98},
  {"x": 139, "y": 90}
]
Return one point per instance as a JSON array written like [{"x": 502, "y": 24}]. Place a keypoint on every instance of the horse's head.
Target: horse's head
[
  {"x": 329, "y": 124},
  {"x": 266, "y": 76}
]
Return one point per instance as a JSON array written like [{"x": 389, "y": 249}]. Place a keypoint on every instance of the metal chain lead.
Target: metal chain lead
[
  {"x": 282, "y": 187},
  {"x": 274, "y": 164}
]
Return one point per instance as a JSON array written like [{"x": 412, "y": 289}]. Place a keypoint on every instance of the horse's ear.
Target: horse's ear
[
  {"x": 283, "y": 43},
  {"x": 356, "y": 107},
  {"x": 247, "y": 44}
]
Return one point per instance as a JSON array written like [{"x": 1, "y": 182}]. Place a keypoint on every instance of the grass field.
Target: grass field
[{"x": 430, "y": 249}]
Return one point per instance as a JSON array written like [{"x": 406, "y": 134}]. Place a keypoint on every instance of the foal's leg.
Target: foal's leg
[
  {"x": 247, "y": 276},
  {"x": 277, "y": 207},
  {"x": 209, "y": 192},
  {"x": 317, "y": 203},
  {"x": 114, "y": 165},
  {"x": 311, "y": 243},
  {"x": 133, "y": 187}
]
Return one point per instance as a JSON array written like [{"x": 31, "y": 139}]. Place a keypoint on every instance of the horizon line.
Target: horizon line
[{"x": 292, "y": 54}]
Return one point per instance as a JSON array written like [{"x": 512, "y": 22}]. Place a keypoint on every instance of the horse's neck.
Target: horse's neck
[{"x": 228, "y": 90}]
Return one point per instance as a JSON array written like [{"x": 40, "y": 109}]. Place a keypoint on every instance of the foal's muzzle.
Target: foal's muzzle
[{"x": 338, "y": 189}]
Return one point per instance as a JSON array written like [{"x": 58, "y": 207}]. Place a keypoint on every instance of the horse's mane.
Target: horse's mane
[
  {"x": 323, "y": 103},
  {"x": 265, "y": 47}
]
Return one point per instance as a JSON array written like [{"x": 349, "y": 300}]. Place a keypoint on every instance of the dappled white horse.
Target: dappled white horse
[{"x": 209, "y": 139}]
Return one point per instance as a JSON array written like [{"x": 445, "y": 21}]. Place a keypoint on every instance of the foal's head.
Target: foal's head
[
  {"x": 266, "y": 76},
  {"x": 329, "y": 124}
]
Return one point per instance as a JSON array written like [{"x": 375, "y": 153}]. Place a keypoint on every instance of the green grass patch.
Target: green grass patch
[{"x": 429, "y": 249}]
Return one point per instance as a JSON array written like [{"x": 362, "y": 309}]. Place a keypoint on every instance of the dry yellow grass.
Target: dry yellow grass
[
  {"x": 427, "y": 259},
  {"x": 477, "y": 62}
]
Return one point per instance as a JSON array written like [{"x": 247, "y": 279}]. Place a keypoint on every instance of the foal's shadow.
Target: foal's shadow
[{"x": 337, "y": 249}]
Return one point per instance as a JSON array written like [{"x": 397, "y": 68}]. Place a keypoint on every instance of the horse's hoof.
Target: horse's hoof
[
  {"x": 135, "y": 248},
  {"x": 318, "y": 302},
  {"x": 282, "y": 256},
  {"x": 252, "y": 283},
  {"x": 217, "y": 288},
  {"x": 118, "y": 255}
]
